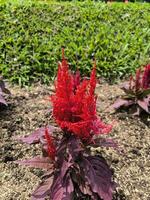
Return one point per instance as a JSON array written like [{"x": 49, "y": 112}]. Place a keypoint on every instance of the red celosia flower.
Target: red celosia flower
[
  {"x": 76, "y": 79},
  {"x": 146, "y": 77},
  {"x": 141, "y": 81},
  {"x": 51, "y": 150},
  {"x": 138, "y": 80},
  {"x": 74, "y": 103},
  {"x": 137, "y": 92}
]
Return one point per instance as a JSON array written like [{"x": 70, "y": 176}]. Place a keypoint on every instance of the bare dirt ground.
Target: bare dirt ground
[{"x": 28, "y": 110}]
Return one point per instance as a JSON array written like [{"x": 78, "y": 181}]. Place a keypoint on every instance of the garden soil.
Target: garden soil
[{"x": 29, "y": 109}]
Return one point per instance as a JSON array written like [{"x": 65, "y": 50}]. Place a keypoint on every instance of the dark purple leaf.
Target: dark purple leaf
[
  {"x": 122, "y": 102},
  {"x": 74, "y": 146},
  {"x": 36, "y": 136},
  {"x": 37, "y": 162},
  {"x": 85, "y": 189},
  {"x": 98, "y": 175},
  {"x": 36, "y": 198},
  {"x": 62, "y": 188},
  {"x": 62, "y": 145},
  {"x": 66, "y": 165},
  {"x": 68, "y": 188},
  {"x": 145, "y": 104},
  {"x": 57, "y": 188},
  {"x": 106, "y": 142},
  {"x": 43, "y": 189}
]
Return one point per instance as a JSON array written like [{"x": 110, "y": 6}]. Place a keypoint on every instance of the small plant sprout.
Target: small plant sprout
[
  {"x": 137, "y": 92},
  {"x": 72, "y": 172}
]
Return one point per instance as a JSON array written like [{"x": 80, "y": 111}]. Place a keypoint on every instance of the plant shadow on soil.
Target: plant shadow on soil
[{"x": 143, "y": 116}]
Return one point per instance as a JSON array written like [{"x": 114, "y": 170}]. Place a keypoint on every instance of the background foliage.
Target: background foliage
[{"x": 32, "y": 34}]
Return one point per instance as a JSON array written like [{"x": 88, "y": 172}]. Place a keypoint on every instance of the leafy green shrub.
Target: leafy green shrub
[{"x": 32, "y": 35}]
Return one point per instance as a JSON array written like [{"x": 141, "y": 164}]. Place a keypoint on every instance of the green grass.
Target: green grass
[{"x": 33, "y": 32}]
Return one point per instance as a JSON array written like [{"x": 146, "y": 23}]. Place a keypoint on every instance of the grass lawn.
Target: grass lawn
[{"x": 33, "y": 32}]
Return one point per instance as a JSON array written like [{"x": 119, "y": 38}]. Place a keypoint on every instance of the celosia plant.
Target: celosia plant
[
  {"x": 72, "y": 172},
  {"x": 3, "y": 90},
  {"x": 137, "y": 92}
]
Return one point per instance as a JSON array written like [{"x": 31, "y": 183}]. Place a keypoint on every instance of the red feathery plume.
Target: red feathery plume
[
  {"x": 74, "y": 103},
  {"x": 76, "y": 79},
  {"x": 51, "y": 150},
  {"x": 146, "y": 77},
  {"x": 138, "y": 80}
]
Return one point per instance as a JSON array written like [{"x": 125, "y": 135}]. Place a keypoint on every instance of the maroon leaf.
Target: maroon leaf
[
  {"x": 122, "y": 102},
  {"x": 62, "y": 188},
  {"x": 68, "y": 188},
  {"x": 106, "y": 142},
  {"x": 36, "y": 136},
  {"x": 85, "y": 189},
  {"x": 57, "y": 189},
  {"x": 43, "y": 189},
  {"x": 65, "y": 167},
  {"x": 145, "y": 104},
  {"x": 37, "y": 162},
  {"x": 74, "y": 146},
  {"x": 36, "y": 198},
  {"x": 84, "y": 185},
  {"x": 98, "y": 175},
  {"x": 61, "y": 151}
]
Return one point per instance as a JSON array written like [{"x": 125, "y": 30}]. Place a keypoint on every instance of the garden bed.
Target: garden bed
[{"x": 28, "y": 110}]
